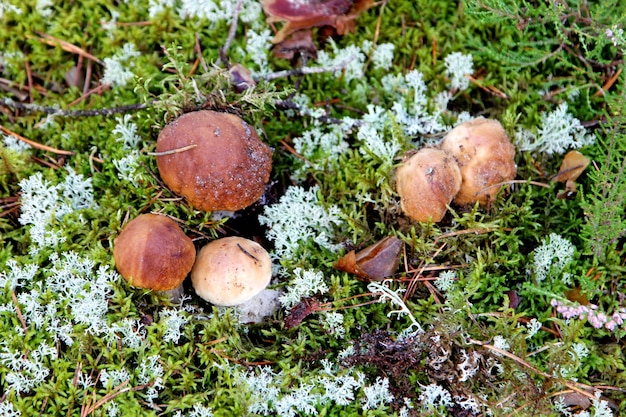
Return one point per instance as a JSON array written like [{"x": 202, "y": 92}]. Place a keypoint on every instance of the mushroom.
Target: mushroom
[
  {"x": 485, "y": 157},
  {"x": 215, "y": 160},
  {"x": 230, "y": 271},
  {"x": 153, "y": 252},
  {"x": 427, "y": 182}
]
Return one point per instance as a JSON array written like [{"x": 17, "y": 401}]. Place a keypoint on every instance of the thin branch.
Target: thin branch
[
  {"x": 198, "y": 48},
  {"x": 19, "y": 312},
  {"x": 231, "y": 35},
  {"x": 173, "y": 151},
  {"x": 477, "y": 231},
  {"x": 36, "y": 108},
  {"x": 538, "y": 184},
  {"x": 66, "y": 46},
  {"x": 34, "y": 144},
  {"x": 303, "y": 71},
  {"x": 576, "y": 386}
]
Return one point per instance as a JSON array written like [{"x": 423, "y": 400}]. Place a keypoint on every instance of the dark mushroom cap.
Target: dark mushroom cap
[
  {"x": 485, "y": 156},
  {"x": 228, "y": 168},
  {"x": 427, "y": 182},
  {"x": 153, "y": 252}
]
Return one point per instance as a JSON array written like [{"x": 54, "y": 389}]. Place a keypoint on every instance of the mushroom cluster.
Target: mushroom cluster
[
  {"x": 215, "y": 160},
  {"x": 152, "y": 252},
  {"x": 472, "y": 161}
]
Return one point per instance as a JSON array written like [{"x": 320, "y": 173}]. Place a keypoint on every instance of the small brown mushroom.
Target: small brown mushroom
[
  {"x": 230, "y": 271},
  {"x": 485, "y": 156},
  {"x": 427, "y": 182},
  {"x": 222, "y": 164},
  {"x": 153, "y": 252}
]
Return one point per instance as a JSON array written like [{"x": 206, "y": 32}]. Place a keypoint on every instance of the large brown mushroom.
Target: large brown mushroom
[
  {"x": 215, "y": 160},
  {"x": 153, "y": 252},
  {"x": 231, "y": 270},
  {"x": 485, "y": 156},
  {"x": 427, "y": 182}
]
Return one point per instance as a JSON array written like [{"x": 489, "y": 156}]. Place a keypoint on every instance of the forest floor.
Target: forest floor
[{"x": 510, "y": 305}]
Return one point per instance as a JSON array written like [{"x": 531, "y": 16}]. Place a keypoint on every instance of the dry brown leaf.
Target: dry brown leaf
[
  {"x": 304, "y": 14},
  {"x": 374, "y": 263},
  {"x": 299, "y": 43},
  {"x": 574, "y": 163}
]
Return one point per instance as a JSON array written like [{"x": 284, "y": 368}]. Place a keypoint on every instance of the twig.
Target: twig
[
  {"x": 576, "y": 386},
  {"x": 29, "y": 78},
  {"x": 489, "y": 88},
  {"x": 173, "y": 151},
  {"x": 99, "y": 89},
  {"x": 36, "y": 108},
  {"x": 88, "y": 73},
  {"x": 19, "y": 312},
  {"x": 539, "y": 184},
  {"x": 205, "y": 67},
  {"x": 478, "y": 231},
  {"x": 231, "y": 35},
  {"x": 35, "y": 145},
  {"x": 66, "y": 46},
  {"x": 294, "y": 152},
  {"x": 110, "y": 396},
  {"x": 376, "y": 35},
  {"x": 303, "y": 71},
  {"x": 422, "y": 267},
  {"x": 430, "y": 268},
  {"x": 602, "y": 91}
]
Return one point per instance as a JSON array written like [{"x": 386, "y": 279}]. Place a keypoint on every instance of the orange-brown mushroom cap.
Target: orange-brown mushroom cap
[
  {"x": 226, "y": 170},
  {"x": 486, "y": 157},
  {"x": 153, "y": 252},
  {"x": 427, "y": 182}
]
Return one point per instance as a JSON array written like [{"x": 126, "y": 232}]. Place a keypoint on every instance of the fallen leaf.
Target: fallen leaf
[
  {"x": 241, "y": 77},
  {"x": 574, "y": 163},
  {"x": 577, "y": 296},
  {"x": 571, "y": 399},
  {"x": 299, "y": 43},
  {"x": 300, "y": 311},
  {"x": 514, "y": 299},
  {"x": 305, "y": 14},
  {"x": 374, "y": 263}
]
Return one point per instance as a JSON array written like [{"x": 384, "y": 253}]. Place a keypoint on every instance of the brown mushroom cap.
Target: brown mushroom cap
[
  {"x": 230, "y": 271},
  {"x": 485, "y": 156},
  {"x": 227, "y": 169},
  {"x": 153, "y": 252},
  {"x": 427, "y": 182}
]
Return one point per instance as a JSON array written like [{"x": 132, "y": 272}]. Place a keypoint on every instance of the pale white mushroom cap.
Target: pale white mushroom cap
[{"x": 230, "y": 271}]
